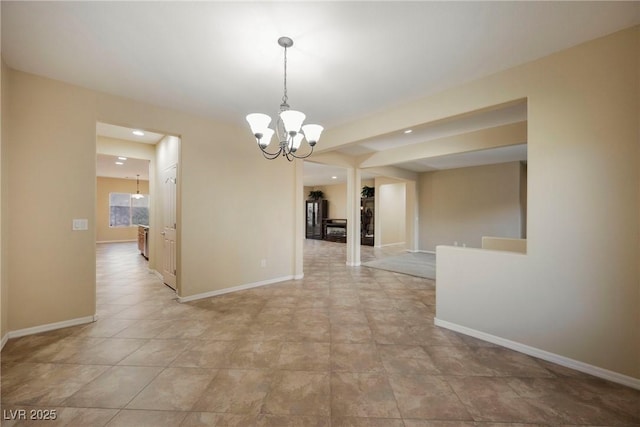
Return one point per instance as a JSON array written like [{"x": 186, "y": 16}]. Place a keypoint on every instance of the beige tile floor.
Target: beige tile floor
[{"x": 342, "y": 347}]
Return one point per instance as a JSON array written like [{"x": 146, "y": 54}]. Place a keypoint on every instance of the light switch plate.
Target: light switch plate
[{"x": 80, "y": 224}]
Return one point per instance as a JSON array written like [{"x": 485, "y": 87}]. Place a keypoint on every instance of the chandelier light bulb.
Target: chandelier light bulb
[
  {"x": 312, "y": 133},
  {"x": 294, "y": 142},
  {"x": 292, "y": 121},
  {"x": 259, "y": 123},
  {"x": 267, "y": 134}
]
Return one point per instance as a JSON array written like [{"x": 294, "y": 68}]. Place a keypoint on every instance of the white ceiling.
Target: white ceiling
[
  {"x": 316, "y": 174},
  {"x": 124, "y": 133},
  {"x": 106, "y": 167},
  {"x": 349, "y": 59},
  {"x": 510, "y": 153},
  {"x": 431, "y": 131}
]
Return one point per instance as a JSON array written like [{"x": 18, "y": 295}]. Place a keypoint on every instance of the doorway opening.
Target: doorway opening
[{"x": 137, "y": 195}]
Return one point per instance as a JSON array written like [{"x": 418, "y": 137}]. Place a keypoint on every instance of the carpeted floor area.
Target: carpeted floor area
[{"x": 418, "y": 264}]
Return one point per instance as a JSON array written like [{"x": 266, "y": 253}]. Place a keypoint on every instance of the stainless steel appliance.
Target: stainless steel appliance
[{"x": 143, "y": 240}]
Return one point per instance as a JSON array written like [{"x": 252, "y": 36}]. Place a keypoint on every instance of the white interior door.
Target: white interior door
[{"x": 169, "y": 187}]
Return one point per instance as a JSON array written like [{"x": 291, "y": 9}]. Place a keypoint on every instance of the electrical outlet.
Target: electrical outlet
[{"x": 263, "y": 263}]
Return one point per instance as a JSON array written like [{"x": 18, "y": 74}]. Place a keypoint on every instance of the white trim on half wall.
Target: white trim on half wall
[{"x": 544, "y": 355}]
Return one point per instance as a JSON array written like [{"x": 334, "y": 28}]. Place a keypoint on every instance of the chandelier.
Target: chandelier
[
  {"x": 288, "y": 127},
  {"x": 137, "y": 195}
]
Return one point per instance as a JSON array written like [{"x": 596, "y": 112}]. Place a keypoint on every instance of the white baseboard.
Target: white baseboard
[
  {"x": 545, "y": 355},
  {"x": 424, "y": 252},
  {"x": 4, "y": 340},
  {"x": 235, "y": 289},
  {"x": 386, "y": 245},
  {"x": 51, "y": 326},
  {"x": 353, "y": 264},
  {"x": 115, "y": 241},
  {"x": 298, "y": 277}
]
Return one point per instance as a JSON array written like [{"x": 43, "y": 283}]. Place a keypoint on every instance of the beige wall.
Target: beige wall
[
  {"x": 52, "y": 170},
  {"x": 462, "y": 205},
  {"x": 105, "y": 233},
  {"x": 504, "y": 244},
  {"x": 576, "y": 292},
  {"x": 227, "y": 225},
  {"x": 337, "y": 197},
  {"x": 391, "y": 212},
  {"x": 4, "y": 281}
]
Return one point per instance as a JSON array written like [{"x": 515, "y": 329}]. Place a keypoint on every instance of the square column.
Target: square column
[
  {"x": 354, "y": 184},
  {"x": 299, "y": 234}
]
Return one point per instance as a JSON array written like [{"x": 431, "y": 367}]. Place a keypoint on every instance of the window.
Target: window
[{"x": 127, "y": 211}]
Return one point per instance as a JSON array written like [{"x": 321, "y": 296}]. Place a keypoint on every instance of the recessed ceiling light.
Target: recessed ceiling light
[
  {"x": 122, "y": 158},
  {"x": 408, "y": 131},
  {"x": 119, "y": 163},
  {"x": 334, "y": 177},
  {"x": 138, "y": 133}
]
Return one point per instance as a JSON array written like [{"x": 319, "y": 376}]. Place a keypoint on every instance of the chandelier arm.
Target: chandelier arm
[
  {"x": 268, "y": 155},
  {"x": 276, "y": 154},
  {"x": 302, "y": 157}
]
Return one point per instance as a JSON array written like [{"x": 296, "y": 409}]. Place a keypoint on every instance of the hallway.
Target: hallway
[{"x": 342, "y": 347}]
